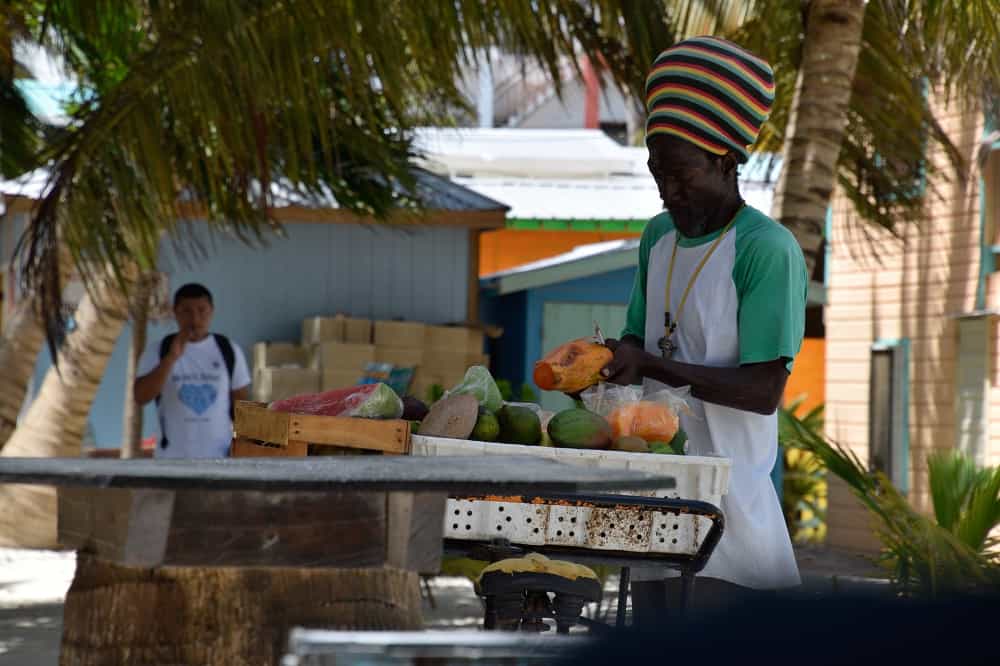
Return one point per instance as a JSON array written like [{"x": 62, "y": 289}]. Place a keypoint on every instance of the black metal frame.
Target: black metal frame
[{"x": 688, "y": 565}]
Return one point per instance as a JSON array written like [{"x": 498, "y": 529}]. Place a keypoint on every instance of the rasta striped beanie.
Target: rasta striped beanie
[{"x": 711, "y": 93}]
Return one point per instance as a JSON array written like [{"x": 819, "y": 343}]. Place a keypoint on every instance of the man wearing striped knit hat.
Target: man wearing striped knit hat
[{"x": 718, "y": 305}]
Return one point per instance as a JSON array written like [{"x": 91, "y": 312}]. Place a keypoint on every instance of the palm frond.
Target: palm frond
[
  {"x": 20, "y": 131},
  {"x": 214, "y": 110},
  {"x": 952, "y": 478},
  {"x": 982, "y": 512}
]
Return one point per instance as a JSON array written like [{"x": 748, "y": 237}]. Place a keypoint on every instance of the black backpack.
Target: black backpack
[{"x": 228, "y": 355}]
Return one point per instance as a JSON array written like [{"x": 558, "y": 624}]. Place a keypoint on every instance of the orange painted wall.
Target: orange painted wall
[
  {"x": 507, "y": 248},
  {"x": 808, "y": 375}
]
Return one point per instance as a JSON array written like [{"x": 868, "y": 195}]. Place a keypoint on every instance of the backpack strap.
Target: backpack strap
[
  {"x": 229, "y": 356},
  {"x": 164, "y": 350}
]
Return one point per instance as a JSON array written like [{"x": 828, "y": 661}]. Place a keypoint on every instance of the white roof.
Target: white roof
[
  {"x": 625, "y": 198},
  {"x": 30, "y": 185},
  {"x": 616, "y": 198},
  {"x": 575, "y": 153},
  {"x": 581, "y": 261}
]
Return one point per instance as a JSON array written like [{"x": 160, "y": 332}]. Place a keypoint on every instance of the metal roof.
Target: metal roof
[
  {"x": 615, "y": 198},
  {"x": 439, "y": 193},
  {"x": 434, "y": 191}
]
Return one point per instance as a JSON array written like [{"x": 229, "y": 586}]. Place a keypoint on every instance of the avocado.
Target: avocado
[
  {"x": 630, "y": 443},
  {"x": 519, "y": 425},
  {"x": 487, "y": 427}
]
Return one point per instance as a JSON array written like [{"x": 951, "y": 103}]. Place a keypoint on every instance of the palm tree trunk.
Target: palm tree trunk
[
  {"x": 55, "y": 422},
  {"x": 23, "y": 337},
  {"x": 132, "y": 426},
  {"x": 817, "y": 120},
  {"x": 219, "y": 616}
]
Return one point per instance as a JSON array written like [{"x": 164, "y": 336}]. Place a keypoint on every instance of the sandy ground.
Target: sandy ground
[{"x": 34, "y": 583}]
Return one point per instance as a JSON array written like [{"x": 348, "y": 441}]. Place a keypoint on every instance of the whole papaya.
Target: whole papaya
[{"x": 572, "y": 367}]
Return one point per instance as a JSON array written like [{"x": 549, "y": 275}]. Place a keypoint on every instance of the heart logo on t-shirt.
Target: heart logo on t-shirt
[{"x": 198, "y": 397}]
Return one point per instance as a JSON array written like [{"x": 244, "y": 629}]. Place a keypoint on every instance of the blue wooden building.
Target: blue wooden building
[{"x": 328, "y": 261}]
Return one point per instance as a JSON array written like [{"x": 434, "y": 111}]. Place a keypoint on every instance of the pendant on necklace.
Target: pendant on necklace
[{"x": 665, "y": 344}]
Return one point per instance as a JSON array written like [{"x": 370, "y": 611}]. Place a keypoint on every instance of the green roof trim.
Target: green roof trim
[{"x": 555, "y": 224}]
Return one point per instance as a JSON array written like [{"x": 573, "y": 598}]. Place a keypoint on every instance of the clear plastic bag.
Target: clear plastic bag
[
  {"x": 653, "y": 417},
  {"x": 479, "y": 382},
  {"x": 367, "y": 401}
]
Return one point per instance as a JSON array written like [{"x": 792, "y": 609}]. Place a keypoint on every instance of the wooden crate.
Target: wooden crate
[{"x": 261, "y": 432}]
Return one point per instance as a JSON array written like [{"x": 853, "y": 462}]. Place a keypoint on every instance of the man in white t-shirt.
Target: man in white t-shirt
[{"x": 195, "y": 376}]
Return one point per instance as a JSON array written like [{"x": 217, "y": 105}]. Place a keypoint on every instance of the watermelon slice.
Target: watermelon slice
[{"x": 370, "y": 401}]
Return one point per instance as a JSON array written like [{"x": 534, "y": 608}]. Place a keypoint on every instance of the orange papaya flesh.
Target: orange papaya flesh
[{"x": 572, "y": 367}]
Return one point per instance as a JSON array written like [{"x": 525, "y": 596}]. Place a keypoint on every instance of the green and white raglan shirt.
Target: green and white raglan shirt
[{"x": 746, "y": 306}]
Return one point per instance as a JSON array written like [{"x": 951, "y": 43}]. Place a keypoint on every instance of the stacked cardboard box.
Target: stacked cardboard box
[
  {"x": 316, "y": 330},
  {"x": 278, "y": 355},
  {"x": 338, "y": 348},
  {"x": 278, "y": 383},
  {"x": 341, "y": 363},
  {"x": 448, "y": 352},
  {"x": 279, "y": 371},
  {"x": 335, "y": 351}
]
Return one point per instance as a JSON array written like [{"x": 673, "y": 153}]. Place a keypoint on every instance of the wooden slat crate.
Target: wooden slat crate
[{"x": 261, "y": 432}]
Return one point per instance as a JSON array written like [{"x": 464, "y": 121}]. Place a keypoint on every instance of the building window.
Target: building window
[
  {"x": 889, "y": 414},
  {"x": 972, "y": 387},
  {"x": 989, "y": 215}
]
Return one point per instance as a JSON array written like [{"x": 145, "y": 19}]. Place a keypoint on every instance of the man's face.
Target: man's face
[
  {"x": 692, "y": 183},
  {"x": 194, "y": 315}
]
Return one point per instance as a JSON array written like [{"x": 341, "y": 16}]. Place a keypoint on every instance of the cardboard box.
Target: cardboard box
[
  {"x": 341, "y": 357},
  {"x": 400, "y": 334},
  {"x": 335, "y": 379},
  {"x": 280, "y": 383},
  {"x": 454, "y": 339},
  {"x": 404, "y": 357},
  {"x": 357, "y": 331},
  {"x": 422, "y": 383},
  {"x": 322, "y": 329},
  {"x": 441, "y": 361},
  {"x": 278, "y": 354}
]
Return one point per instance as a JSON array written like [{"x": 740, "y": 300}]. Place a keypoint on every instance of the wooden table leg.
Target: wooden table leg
[{"x": 118, "y": 614}]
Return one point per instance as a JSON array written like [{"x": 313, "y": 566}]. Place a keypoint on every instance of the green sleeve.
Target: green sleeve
[
  {"x": 635, "y": 316},
  {"x": 772, "y": 286}
]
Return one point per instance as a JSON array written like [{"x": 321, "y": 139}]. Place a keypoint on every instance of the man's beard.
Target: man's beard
[{"x": 691, "y": 222}]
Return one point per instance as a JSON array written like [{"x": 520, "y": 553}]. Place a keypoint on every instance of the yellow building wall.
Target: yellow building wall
[{"x": 910, "y": 289}]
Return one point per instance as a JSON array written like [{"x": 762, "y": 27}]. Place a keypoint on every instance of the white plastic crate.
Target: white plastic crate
[{"x": 631, "y": 530}]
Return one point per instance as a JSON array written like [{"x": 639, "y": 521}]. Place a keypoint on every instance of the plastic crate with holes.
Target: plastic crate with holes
[{"x": 626, "y": 529}]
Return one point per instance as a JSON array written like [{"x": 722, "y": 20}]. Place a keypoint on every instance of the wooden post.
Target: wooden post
[
  {"x": 472, "y": 298},
  {"x": 132, "y": 419}
]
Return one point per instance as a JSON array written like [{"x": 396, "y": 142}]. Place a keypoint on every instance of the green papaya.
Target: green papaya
[
  {"x": 579, "y": 429},
  {"x": 519, "y": 425}
]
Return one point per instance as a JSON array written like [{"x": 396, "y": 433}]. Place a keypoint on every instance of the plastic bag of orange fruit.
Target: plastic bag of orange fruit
[{"x": 652, "y": 418}]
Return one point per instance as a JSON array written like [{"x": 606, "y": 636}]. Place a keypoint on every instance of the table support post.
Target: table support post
[{"x": 623, "y": 584}]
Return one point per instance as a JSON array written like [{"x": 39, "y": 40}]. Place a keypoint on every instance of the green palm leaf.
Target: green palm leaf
[{"x": 982, "y": 512}]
